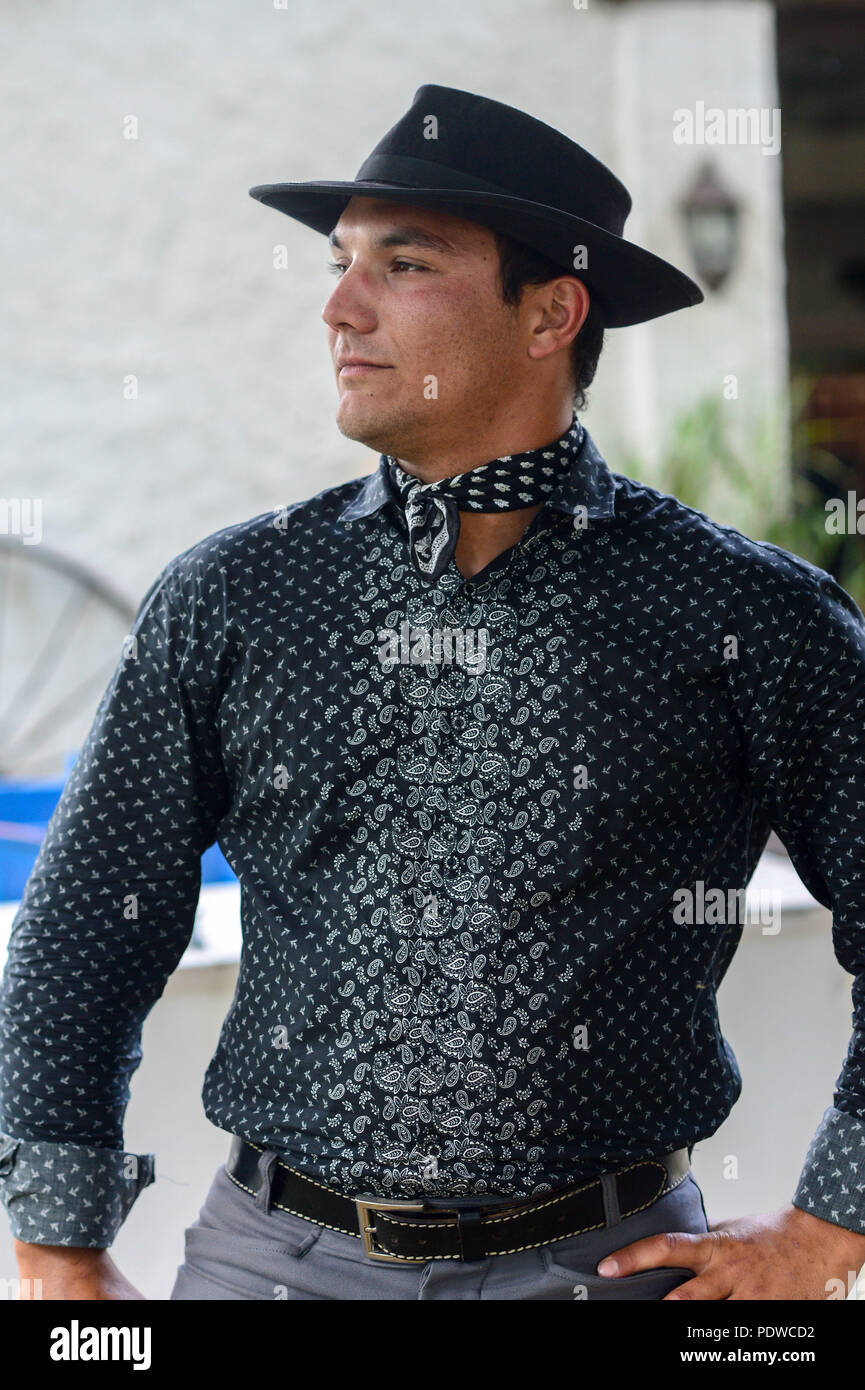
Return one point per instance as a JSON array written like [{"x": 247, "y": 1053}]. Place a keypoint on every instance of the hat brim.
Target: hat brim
[{"x": 632, "y": 285}]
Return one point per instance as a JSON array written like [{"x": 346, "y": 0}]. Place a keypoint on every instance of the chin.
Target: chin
[{"x": 371, "y": 422}]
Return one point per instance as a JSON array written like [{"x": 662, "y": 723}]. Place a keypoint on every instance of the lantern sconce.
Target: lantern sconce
[{"x": 712, "y": 216}]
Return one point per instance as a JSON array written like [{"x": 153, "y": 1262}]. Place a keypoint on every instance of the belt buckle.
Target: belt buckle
[{"x": 367, "y": 1205}]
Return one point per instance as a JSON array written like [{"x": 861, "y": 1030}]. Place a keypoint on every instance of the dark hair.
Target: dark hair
[{"x": 521, "y": 265}]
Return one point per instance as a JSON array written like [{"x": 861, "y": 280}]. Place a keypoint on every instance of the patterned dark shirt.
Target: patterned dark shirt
[{"x": 468, "y": 818}]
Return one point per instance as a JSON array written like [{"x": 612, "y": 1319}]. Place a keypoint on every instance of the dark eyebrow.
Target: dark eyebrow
[{"x": 404, "y": 236}]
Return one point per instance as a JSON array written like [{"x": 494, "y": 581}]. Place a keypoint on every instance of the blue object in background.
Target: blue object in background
[
  {"x": 25, "y": 810},
  {"x": 215, "y": 868}
]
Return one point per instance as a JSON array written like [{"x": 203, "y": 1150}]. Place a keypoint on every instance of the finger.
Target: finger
[
  {"x": 691, "y": 1251},
  {"x": 705, "y": 1288}
]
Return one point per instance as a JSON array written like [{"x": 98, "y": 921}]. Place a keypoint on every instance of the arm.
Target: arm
[
  {"x": 799, "y": 687},
  {"x": 809, "y": 747},
  {"x": 106, "y": 914}
]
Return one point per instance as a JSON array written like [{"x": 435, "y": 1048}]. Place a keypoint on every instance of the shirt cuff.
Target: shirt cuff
[
  {"x": 69, "y": 1194},
  {"x": 832, "y": 1182}
]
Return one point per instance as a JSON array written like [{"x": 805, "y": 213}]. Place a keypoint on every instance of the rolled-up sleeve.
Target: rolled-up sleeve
[
  {"x": 803, "y": 667},
  {"x": 105, "y": 916},
  {"x": 69, "y": 1194}
]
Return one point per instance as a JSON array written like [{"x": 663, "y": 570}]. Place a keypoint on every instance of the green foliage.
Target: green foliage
[{"x": 761, "y": 490}]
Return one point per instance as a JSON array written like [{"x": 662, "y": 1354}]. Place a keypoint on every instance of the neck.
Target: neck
[
  {"x": 475, "y": 442},
  {"x": 484, "y": 535}
]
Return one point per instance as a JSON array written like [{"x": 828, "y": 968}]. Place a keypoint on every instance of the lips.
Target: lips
[{"x": 357, "y": 366}]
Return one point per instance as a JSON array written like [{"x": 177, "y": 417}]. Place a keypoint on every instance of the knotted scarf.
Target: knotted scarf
[{"x": 503, "y": 485}]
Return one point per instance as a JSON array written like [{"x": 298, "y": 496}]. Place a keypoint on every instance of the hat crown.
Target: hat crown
[{"x": 473, "y": 142}]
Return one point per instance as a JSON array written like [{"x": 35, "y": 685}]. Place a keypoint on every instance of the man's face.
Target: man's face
[{"x": 418, "y": 295}]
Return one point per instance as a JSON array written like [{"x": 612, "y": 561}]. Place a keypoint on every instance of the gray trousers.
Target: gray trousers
[{"x": 237, "y": 1251}]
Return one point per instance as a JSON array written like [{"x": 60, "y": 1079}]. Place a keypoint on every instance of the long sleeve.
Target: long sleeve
[
  {"x": 805, "y": 726},
  {"x": 105, "y": 917}
]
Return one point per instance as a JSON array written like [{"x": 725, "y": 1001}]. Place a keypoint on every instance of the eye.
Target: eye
[{"x": 337, "y": 267}]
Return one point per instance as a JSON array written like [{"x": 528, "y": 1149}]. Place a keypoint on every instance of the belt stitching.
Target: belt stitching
[{"x": 340, "y": 1229}]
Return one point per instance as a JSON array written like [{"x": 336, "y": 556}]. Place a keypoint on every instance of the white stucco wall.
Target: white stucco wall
[{"x": 669, "y": 57}]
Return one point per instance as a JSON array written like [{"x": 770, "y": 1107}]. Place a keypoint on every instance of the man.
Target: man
[{"x": 466, "y": 730}]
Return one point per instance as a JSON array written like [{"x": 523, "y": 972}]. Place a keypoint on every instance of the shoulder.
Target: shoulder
[
  {"x": 760, "y": 577},
  {"x": 204, "y": 591},
  {"x": 226, "y": 553}
]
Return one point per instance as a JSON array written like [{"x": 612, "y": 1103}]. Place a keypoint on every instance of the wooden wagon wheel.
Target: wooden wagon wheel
[{"x": 61, "y": 636}]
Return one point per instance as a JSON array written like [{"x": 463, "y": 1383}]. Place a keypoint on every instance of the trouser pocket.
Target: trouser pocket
[{"x": 242, "y": 1248}]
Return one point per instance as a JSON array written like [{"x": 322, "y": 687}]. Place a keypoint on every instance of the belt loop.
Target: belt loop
[
  {"x": 266, "y": 1164},
  {"x": 610, "y": 1191},
  {"x": 470, "y": 1234}
]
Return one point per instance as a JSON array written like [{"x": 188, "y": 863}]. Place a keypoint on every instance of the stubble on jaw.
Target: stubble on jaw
[{"x": 385, "y": 429}]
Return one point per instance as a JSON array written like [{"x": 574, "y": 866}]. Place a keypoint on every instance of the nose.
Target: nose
[{"x": 350, "y": 304}]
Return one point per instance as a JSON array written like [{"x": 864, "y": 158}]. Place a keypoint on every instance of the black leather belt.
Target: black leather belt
[{"x": 453, "y": 1228}]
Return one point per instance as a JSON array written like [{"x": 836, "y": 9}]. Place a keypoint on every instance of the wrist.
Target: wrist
[
  {"x": 840, "y": 1239},
  {"x": 35, "y": 1258}
]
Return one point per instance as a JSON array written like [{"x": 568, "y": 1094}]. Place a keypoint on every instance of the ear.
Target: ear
[{"x": 557, "y": 312}]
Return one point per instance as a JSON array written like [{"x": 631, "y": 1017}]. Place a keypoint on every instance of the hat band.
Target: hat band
[
  {"x": 382, "y": 168},
  {"x": 429, "y": 174}
]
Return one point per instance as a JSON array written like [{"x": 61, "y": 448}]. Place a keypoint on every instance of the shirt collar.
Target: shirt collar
[{"x": 589, "y": 485}]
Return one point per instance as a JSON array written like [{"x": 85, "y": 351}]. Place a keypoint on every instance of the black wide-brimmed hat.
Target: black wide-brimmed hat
[{"x": 480, "y": 159}]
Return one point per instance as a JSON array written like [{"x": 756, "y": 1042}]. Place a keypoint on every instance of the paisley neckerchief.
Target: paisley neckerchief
[{"x": 503, "y": 485}]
